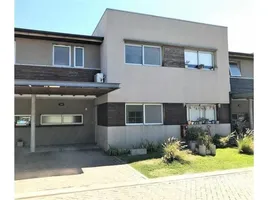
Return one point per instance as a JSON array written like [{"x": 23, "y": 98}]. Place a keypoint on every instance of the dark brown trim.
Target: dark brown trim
[
  {"x": 111, "y": 114},
  {"x": 56, "y": 39},
  {"x": 30, "y": 72},
  {"x": 174, "y": 114},
  {"x": 223, "y": 113},
  {"x": 22, "y": 31}
]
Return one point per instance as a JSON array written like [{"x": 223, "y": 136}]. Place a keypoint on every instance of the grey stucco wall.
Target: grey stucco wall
[
  {"x": 246, "y": 66},
  {"x": 240, "y": 106},
  {"x": 55, "y": 135},
  {"x": 157, "y": 84},
  {"x": 39, "y": 52},
  {"x": 127, "y": 136}
]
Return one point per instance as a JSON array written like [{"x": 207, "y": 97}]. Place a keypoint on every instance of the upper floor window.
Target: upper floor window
[
  {"x": 198, "y": 59},
  {"x": 143, "y": 55},
  {"x": 61, "y": 55},
  {"x": 78, "y": 56},
  {"x": 235, "y": 69}
]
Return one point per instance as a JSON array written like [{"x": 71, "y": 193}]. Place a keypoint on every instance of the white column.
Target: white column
[
  {"x": 33, "y": 123},
  {"x": 250, "y": 109}
]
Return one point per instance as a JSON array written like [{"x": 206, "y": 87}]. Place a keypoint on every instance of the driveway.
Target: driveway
[{"x": 54, "y": 170}]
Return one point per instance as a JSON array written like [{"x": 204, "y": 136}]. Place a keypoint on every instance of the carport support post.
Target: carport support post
[
  {"x": 33, "y": 123},
  {"x": 250, "y": 104}
]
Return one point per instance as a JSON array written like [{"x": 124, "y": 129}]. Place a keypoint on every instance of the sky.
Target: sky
[{"x": 82, "y": 16}]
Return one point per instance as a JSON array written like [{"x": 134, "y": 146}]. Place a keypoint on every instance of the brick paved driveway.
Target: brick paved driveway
[{"x": 236, "y": 186}]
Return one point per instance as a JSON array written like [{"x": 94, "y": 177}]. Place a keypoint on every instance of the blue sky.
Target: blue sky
[{"x": 82, "y": 16}]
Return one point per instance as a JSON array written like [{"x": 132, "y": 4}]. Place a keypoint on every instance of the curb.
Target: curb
[
  {"x": 125, "y": 184},
  {"x": 128, "y": 165}
]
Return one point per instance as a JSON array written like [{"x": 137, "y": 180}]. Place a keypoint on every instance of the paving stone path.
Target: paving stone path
[{"x": 234, "y": 186}]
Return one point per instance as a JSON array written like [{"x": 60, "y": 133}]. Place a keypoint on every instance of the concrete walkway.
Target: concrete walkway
[
  {"x": 229, "y": 184},
  {"x": 69, "y": 169}
]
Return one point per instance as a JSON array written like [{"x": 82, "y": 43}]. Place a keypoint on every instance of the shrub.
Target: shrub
[
  {"x": 204, "y": 138},
  {"x": 170, "y": 150},
  {"x": 246, "y": 145},
  {"x": 112, "y": 151},
  {"x": 151, "y": 146},
  {"x": 216, "y": 140},
  {"x": 193, "y": 132}
]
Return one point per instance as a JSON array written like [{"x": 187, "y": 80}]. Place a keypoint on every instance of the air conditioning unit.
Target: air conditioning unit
[{"x": 99, "y": 78}]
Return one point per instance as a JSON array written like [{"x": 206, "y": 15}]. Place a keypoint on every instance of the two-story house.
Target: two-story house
[
  {"x": 242, "y": 89},
  {"x": 171, "y": 72}
]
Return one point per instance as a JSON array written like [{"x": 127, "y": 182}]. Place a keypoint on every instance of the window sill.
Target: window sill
[
  {"x": 145, "y": 124},
  {"x": 142, "y": 65}
]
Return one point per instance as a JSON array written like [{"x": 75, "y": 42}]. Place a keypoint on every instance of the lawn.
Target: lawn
[{"x": 152, "y": 166}]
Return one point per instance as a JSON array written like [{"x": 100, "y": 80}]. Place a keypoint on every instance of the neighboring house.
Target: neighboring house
[
  {"x": 242, "y": 89},
  {"x": 155, "y": 60}
]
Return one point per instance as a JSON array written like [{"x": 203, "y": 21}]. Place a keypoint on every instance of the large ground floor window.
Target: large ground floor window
[
  {"x": 139, "y": 114},
  {"x": 199, "y": 112}
]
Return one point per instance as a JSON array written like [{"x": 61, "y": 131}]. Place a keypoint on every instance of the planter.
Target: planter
[
  {"x": 135, "y": 152},
  {"x": 20, "y": 144},
  {"x": 212, "y": 148},
  {"x": 202, "y": 150},
  {"x": 192, "y": 145},
  {"x": 200, "y": 122},
  {"x": 217, "y": 122},
  {"x": 208, "y": 152}
]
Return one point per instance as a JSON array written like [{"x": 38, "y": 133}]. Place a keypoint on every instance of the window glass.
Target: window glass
[
  {"x": 134, "y": 114},
  {"x": 133, "y": 54},
  {"x": 190, "y": 59},
  {"x": 195, "y": 113},
  {"x": 62, "y": 55},
  {"x": 153, "y": 114},
  {"x": 152, "y": 55},
  {"x": 72, "y": 119},
  {"x": 205, "y": 58},
  {"x": 22, "y": 120},
  {"x": 50, "y": 119},
  {"x": 79, "y": 57},
  {"x": 210, "y": 113},
  {"x": 234, "y": 69}
]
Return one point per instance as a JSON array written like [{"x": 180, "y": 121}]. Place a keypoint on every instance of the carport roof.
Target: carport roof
[{"x": 63, "y": 87}]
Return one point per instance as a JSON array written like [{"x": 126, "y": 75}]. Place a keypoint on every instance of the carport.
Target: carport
[{"x": 62, "y": 88}]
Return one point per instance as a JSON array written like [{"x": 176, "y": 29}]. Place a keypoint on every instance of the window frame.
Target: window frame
[
  {"x": 53, "y": 55},
  {"x": 25, "y": 115},
  {"x": 154, "y": 104},
  {"x": 160, "y": 55},
  {"x": 135, "y": 45},
  {"x": 197, "y": 52},
  {"x": 200, "y": 111},
  {"x": 238, "y": 65},
  {"x": 83, "y": 56},
  {"x": 133, "y": 104},
  {"x": 82, "y": 119},
  {"x": 144, "y": 114},
  {"x": 61, "y": 124},
  {"x": 142, "y": 53}
]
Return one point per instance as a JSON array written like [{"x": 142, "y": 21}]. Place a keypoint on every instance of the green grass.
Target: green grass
[{"x": 152, "y": 166}]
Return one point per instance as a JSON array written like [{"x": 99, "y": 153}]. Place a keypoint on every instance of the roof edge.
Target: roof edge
[{"x": 58, "y": 34}]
